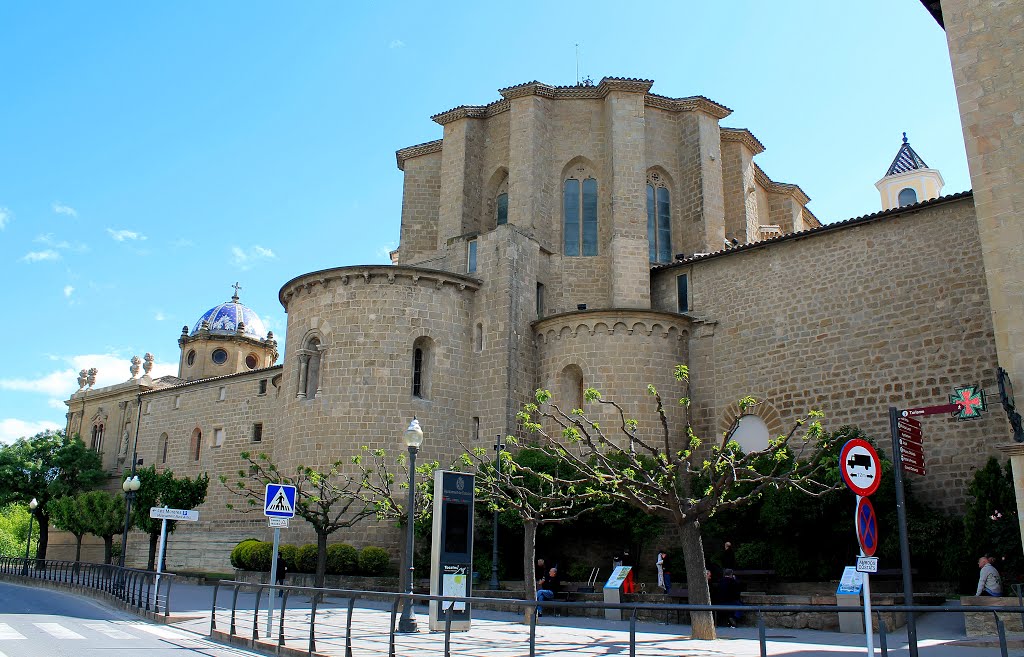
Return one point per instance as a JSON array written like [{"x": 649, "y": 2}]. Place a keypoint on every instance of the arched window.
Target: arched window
[
  {"x": 579, "y": 213},
  {"x": 570, "y": 388},
  {"x": 422, "y": 364},
  {"x": 501, "y": 209},
  {"x": 196, "y": 446},
  {"x": 96, "y": 444},
  {"x": 164, "y": 442},
  {"x": 907, "y": 196},
  {"x": 310, "y": 358},
  {"x": 659, "y": 219},
  {"x": 751, "y": 434}
]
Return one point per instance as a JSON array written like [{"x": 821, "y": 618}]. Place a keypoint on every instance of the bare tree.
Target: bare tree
[
  {"x": 328, "y": 500},
  {"x": 674, "y": 475}
]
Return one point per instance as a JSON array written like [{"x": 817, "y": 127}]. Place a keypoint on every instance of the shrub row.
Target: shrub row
[{"x": 342, "y": 559}]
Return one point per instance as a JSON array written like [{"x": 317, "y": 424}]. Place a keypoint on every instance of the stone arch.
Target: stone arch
[
  {"x": 310, "y": 365},
  {"x": 496, "y": 185},
  {"x": 763, "y": 410},
  {"x": 569, "y": 394},
  {"x": 196, "y": 444},
  {"x": 424, "y": 356}
]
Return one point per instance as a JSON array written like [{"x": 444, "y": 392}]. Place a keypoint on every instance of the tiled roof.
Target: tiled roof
[
  {"x": 182, "y": 383},
  {"x": 810, "y": 232},
  {"x": 906, "y": 160}
]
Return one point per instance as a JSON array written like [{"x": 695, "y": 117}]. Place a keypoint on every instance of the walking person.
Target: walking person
[
  {"x": 664, "y": 571},
  {"x": 282, "y": 568},
  {"x": 989, "y": 582}
]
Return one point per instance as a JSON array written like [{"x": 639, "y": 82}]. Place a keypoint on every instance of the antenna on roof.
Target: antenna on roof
[{"x": 577, "y": 64}]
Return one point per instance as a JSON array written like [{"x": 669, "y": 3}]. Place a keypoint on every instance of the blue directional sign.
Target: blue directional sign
[{"x": 280, "y": 501}]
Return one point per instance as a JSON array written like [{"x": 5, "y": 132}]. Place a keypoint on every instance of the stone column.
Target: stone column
[
  {"x": 303, "y": 368},
  {"x": 630, "y": 261}
]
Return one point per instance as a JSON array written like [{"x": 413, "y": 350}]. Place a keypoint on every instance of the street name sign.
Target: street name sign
[
  {"x": 931, "y": 410},
  {"x": 161, "y": 513},
  {"x": 279, "y": 522}
]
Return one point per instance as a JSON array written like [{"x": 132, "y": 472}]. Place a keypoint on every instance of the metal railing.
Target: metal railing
[
  {"x": 304, "y": 626},
  {"x": 139, "y": 589}
]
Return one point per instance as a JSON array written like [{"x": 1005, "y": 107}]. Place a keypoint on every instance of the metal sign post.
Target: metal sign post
[
  {"x": 867, "y": 535},
  {"x": 164, "y": 514},
  {"x": 901, "y": 515},
  {"x": 279, "y": 506}
]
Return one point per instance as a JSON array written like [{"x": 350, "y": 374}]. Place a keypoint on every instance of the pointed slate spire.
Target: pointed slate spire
[{"x": 906, "y": 160}]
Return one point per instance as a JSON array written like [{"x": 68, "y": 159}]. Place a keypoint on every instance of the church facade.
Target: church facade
[{"x": 572, "y": 237}]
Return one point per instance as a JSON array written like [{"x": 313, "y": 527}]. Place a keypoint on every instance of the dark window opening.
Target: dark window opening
[
  {"x": 257, "y": 432},
  {"x": 417, "y": 373},
  {"x": 263, "y": 387},
  {"x": 682, "y": 293},
  {"x": 502, "y": 209}
]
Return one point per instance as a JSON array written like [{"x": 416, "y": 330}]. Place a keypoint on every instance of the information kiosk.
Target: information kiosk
[
  {"x": 613, "y": 591},
  {"x": 451, "y": 552}
]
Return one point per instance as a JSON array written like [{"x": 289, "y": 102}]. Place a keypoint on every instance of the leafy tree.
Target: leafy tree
[
  {"x": 164, "y": 489},
  {"x": 103, "y": 514},
  {"x": 66, "y": 513},
  {"x": 13, "y": 530},
  {"x": 990, "y": 523},
  {"x": 47, "y": 466},
  {"x": 539, "y": 490},
  {"x": 328, "y": 500},
  {"x": 674, "y": 475}
]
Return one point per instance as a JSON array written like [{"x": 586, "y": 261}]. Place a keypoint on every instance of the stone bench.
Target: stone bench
[{"x": 984, "y": 624}]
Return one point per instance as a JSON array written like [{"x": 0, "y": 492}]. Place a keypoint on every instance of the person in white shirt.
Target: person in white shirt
[{"x": 989, "y": 582}]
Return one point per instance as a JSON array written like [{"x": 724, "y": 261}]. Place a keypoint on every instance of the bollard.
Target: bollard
[
  {"x": 761, "y": 638},
  {"x": 632, "y": 633},
  {"x": 348, "y": 627},
  {"x": 280, "y": 628},
  {"x": 1001, "y": 629},
  {"x": 883, "y": 644},
  {"x": 448, "y": 630},
  {"x": 533, "y": 634}
]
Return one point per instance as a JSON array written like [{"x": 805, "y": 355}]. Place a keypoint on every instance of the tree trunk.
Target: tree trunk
[
  {"x": 702, "y": 622},
  {"x": 78, "y": 546},
  {"x": 108, "y": 549},
  {"x": 529, "y": 561},
  {"x": 321, "y": 559},
  {"x": 154, "y": 540},
  {"x": 44, "y": 535}
]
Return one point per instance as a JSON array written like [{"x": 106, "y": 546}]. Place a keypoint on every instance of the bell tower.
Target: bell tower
[{"x": 908, "y": 180}]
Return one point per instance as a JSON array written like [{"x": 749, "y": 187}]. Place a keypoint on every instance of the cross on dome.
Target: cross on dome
[{"x": 238, "y": 287}]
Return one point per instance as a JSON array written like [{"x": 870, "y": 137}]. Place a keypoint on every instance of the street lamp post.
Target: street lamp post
[
  {"x": 130, "y": 486},
  {"x": 413, "y": 440},
  {"x": 498, "y": 447},
  {"x": 28, "y": 541}
]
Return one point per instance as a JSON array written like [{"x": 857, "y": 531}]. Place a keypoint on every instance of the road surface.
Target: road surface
[{"x": 42, "y": 623}]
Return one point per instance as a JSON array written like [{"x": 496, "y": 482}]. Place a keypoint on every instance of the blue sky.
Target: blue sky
[{"x": 152, "y": 154}]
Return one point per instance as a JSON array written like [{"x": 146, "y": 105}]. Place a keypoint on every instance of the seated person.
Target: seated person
[{"x": 547, "y": 587}]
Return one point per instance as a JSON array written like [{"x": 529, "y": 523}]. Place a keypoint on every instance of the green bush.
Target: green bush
[
  {"x": 374, "y": 561},
  {"x": 290, "y": 554},
  {"x": 238, "y": 558},
  {"x": 259, "y": 556},
  {"x": 305, "y": 561},
  {"x": 342, "y": 559}
]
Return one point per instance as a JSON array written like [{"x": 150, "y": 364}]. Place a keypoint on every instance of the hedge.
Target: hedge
[{"x": 342, "y": 559}]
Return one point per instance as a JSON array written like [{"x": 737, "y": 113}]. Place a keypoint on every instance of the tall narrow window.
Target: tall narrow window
[
  {"x": 540, "y": 300},
  {"x": 196, "y": 446},
  {"x": 478, "y": 337},
  {"x": 659, "y": 220},
  {"x": 422, "y": 364},
  {"x": 257, "y": 432},
  {"x": 96, "y": 444},
  {"x": 164, "y": 442},
  {"x": 471, "y": 256},
  {"x": 501, "y": 209},
  {"x": 579, "y": 217},
  {"x": 907, "y": 196},
  {"x": 682, "y": 298},
  {"x": 417, "y": 372},
  {"x": 476, "y": 428}
]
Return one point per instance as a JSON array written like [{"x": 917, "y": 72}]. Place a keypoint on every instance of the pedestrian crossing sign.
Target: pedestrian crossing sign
[{"x": 279, "y": 501}]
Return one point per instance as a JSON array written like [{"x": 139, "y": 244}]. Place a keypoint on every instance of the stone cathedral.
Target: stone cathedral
[{"x": 568, "y": 237}]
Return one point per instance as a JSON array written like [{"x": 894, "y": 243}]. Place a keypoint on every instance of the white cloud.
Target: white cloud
[
  {"x": 11, "y": 429},
  {"x": 51, "y": 241},
  {"x": 122, "y": 235},
  {"x": 57, "y": 404},
  {"x": 396, "y": 43},
  {"x": 5, "y": 216},
  {"x": 182, "y": 243},
  {"x": 246, "y": 259},
  {"x": 159, "y": 316},
  {"x": 111, "y": 369},
  {"x": 60, "y": 208},
  {"x": 68, "y": 290},
  {"x": 40, "y": 256}
]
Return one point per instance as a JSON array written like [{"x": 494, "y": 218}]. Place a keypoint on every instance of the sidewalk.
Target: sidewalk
[{"x": 501, "y": 634}]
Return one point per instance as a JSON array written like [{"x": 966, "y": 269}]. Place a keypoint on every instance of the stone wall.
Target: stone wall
[{"x": 891, "y": 311}]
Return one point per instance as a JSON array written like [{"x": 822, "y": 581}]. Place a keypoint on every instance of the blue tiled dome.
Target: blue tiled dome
[{"x": 225, "y": 317}]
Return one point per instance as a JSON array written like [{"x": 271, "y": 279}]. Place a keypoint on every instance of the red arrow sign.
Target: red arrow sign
[
  {"x": 908, "y": 467},
  {"x": 931, "y": 410},
  {"x": 912, "y": 458},
  {"x": 904, "y": 440}
]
